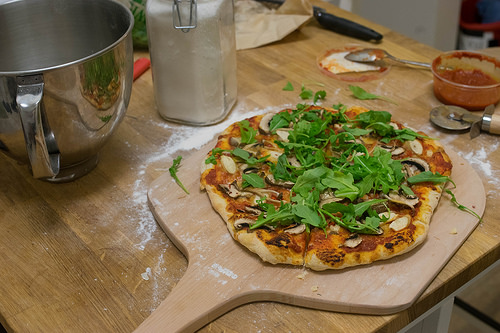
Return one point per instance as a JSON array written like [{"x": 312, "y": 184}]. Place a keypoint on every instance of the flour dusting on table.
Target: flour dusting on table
[
  {"x": 185, "y": 138},
  {"x": 479, "y": 160}
]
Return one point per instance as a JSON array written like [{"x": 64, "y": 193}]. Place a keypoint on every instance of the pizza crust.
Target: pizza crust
[
  {"x": 258, "y": 242},
  {"x": 219, "y": 204}
]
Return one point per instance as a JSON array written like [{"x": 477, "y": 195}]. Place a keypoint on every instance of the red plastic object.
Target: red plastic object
[
  {"x": 470, "y": 20},
  {"x": 140, "y": 66}
]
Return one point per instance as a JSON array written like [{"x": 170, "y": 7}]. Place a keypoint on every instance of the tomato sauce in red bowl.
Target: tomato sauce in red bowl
[{"x": 467, "y": 79}]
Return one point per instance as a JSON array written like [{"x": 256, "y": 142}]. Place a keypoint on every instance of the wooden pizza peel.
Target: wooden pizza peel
[{"x": 222, "y": 274}]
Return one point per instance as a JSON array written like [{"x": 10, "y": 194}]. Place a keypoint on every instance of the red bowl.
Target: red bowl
[{"x": 467, "y": 79}]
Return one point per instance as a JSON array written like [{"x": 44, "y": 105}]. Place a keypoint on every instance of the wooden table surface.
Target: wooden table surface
[{"x": 88, "y": 256}]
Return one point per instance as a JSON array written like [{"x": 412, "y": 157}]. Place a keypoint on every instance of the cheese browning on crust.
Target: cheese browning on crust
[{"x": 325, "y": 188}]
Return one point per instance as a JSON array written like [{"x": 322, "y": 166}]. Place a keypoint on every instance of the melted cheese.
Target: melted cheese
[{"x": 337, "y": 64}]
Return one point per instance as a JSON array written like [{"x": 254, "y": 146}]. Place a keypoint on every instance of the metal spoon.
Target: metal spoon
[{"x": 371, "y": 55}]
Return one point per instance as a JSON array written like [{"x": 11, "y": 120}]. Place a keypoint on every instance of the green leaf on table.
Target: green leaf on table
[
  {"x": 362, "y": 94},
  {"x": 306, "y": 93},
  {"x": 173, "y": 172},
  {"x": 321, "y": 94},
  {"x": 288, "y": 86}
]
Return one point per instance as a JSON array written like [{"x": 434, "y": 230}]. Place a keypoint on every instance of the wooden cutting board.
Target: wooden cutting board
[{"x": 222, "y": 274}]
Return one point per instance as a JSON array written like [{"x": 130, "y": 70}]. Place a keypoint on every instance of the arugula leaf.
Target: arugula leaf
[
  {"x": 367, "y": 118},
  {"x": 379, "y": 122},
  {"x": 362, "y": 207},
  {"x": 356, "y": 131},
  {"x": 343, "y": 183},
  {"x": 308, "y": 215},
  {"x": 213, "y": 157},
  {"x": 353, "y": 213},
  {"x": 429, "y": 176},
  {"x": 247, "y": 132},
  {"x": 254, "y": 180},
  {"x": 404, "y": 134},
  {"x": 321, "y": 94},
  {"x": 284, "y": 215},
  {"x": 306, "y": 93},
  {"x": 281, "y": 170},
  {"x": 246, "y": 157},
  {"x": 366, "y": 184},
  {"x": 309, "y": 180},
  {"x": 462, "y": 207},
  {"x": 288, "y": 86},
  {"x": 279, "y": 120},
  {"x": 362, "y": 94},
  {"x": 241, "y": 153},
  {"x": 173, "y": 172},
  {"x": 407, "y": 190}
]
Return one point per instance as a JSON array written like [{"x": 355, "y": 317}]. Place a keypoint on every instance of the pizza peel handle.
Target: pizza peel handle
[{"x": 189, "y": 306}]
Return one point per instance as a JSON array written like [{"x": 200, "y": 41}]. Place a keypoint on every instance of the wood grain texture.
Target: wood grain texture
[
  {"x": 222, "y": 274},
  {"x": 88, "y": 256}
]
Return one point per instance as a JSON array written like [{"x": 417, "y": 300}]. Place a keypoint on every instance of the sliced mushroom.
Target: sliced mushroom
[
  {"x": 389, "y": 216},
  {"x": 416, "y": 146},
  {"x": 254, "y": 210},
  {"x": 233, "y": 191},
  {"x": 264, "y": 122},
  {"x": 243, "y": 222},
  {"x": 273, "y": 155},
  {"x": 335, "y": 229},
  {"x": 283, "y": 134},
  {"x": 394, "y": 150},
  {"x": 228, "y": 164},
  {"x": 398, "y": 151},
  {"x": 380, "y": 207},
  {"x": 338, "y": 128},
  {"x": 253, "y": 148},
  {"x": 277, "y": 182},
  {"x": 353, "y": 241},
  {"x": 400, "y": 223},
  {"x": 328, "y": 197},
  {"x": 296, "y": 229},
  {"x": 230, "y": 190},
  {"x": 413, "y": 166},
  {"x": 249, "y": 170},
  {"x": 293, "y": 161},
  {"x": 417, "y": 162},
  {"x": 234, "y": 141},
  {"x": 263, "y": 192},
  {"x": 401, "y": 198},
  {"x": 387, "y": 147}
]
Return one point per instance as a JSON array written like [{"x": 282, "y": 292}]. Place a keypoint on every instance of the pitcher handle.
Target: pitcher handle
[{"x": 41, "y": 145}]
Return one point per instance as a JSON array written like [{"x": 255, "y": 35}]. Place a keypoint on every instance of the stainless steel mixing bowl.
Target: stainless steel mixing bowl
[{"x": 65, "y": 82}]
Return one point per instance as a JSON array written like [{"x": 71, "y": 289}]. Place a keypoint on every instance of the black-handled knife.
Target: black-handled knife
[
  {"x": 345, "y": 27},
  {"x": 338, "y": 24}
]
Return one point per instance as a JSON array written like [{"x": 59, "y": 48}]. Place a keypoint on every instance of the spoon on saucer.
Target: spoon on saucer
[{"x": 371, "y": 55}]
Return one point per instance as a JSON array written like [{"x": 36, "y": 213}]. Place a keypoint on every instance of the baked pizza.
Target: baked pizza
[{"x": 327, "y": 188}]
